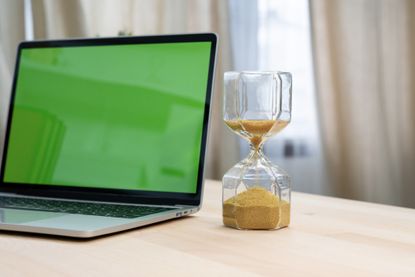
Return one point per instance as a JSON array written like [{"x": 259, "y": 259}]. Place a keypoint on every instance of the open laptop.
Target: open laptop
[{"x": 106, "y": 134}]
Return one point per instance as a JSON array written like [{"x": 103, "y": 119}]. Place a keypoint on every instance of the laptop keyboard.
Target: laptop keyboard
[{"x": 73, "y": 207}]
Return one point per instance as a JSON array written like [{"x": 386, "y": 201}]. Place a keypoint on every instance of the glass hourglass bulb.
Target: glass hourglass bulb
[{"x": 256, "y": 193}]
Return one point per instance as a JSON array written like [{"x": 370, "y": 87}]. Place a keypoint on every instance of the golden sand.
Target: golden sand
[
  {"x": 257, "y": 129},
  {"x": 256, "y": 208}
]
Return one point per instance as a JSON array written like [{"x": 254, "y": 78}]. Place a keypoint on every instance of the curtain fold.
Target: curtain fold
[
  {"x": 12, "y": 31},
  {"x": 364, "y": 53},
  {"x": 58, "y": 19}
]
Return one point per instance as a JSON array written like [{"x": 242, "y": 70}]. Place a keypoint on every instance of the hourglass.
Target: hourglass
[{"x": 256, "y": 193}]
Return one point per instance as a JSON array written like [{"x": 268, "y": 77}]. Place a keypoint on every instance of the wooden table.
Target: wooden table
[{"x": 327, "y": 237}]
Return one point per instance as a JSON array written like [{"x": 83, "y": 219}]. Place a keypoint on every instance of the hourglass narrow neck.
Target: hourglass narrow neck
[{"x": 256, "y": 152}]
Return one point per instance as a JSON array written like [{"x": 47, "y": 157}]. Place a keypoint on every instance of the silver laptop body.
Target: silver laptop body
[{"x": 81, "y": 158}]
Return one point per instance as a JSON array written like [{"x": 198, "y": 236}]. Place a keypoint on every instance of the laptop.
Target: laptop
[{"x": 106, "y": 134}]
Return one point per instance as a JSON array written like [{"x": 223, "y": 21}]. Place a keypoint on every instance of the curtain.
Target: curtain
[
  {"x": 364, "y": 53},
  {"x": 12, "y": 31},
  {"x": 55, "y": 19}
]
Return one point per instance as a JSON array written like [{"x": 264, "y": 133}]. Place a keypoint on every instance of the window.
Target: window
[{"x": 279, "y": 34}]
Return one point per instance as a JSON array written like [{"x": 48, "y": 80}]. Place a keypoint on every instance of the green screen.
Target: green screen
[{"x": 119, "y": 116}]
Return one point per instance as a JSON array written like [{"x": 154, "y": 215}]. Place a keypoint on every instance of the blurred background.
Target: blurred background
[{"x": 353, "y": 63}]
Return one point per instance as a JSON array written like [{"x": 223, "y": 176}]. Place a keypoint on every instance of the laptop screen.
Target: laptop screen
[{"x": 127, "y": 116}]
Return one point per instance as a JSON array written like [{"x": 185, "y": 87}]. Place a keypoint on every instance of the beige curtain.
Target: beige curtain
[
  {"x": 11, "y": 33},
  {"x": 364, "y": 52},
  {"x": 55, "y": 19}
]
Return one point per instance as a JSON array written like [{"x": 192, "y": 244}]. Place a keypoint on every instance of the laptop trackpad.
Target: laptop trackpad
[
  {"x": 58, "y": 220},
  {"x": 12, "y": 216},
  {"x": 79, "y": 222}
]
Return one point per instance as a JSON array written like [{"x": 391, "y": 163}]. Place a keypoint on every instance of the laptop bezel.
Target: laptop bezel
[{"x": 104, "y": 194}]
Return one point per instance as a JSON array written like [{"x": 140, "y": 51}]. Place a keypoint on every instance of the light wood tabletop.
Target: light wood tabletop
[{"x": 327, "y": 237}]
